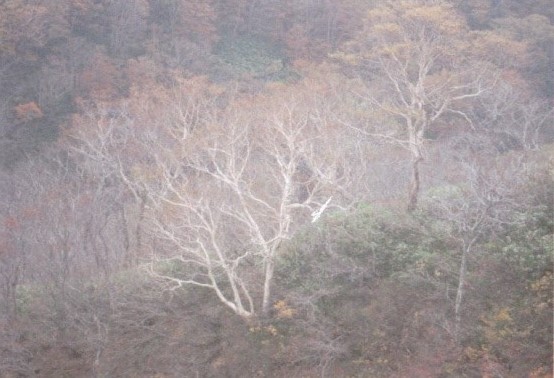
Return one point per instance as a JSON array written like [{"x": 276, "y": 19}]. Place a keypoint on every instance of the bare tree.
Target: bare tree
[
  {"x": 482, "y": 204},
  {"x": 104, "y": 145},
  {"x": 221, "y": 187},
  {"x": 230, "y": 202},
  {"x": 512, "y": 118},
  {"x": 411, "y": 57},
  {"x": 62, "y": 231}
]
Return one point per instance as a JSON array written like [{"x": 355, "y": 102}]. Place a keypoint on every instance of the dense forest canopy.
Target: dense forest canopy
[{"x": 276, "y": 188}]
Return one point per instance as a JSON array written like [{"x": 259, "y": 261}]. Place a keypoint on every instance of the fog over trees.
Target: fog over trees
[{"x": 232, "y": 188}]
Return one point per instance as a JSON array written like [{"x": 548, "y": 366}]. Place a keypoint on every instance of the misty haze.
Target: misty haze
[{"x": 276, "y": 188}]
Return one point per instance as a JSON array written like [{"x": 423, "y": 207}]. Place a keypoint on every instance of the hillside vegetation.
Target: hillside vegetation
[{"x": 229, "y": 188}]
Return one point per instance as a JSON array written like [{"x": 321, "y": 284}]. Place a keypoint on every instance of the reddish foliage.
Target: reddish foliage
[
  {"x": 101, "y": 79},
  {"x": 12, "y": 224},
  {"x": 28, "y": 111}
]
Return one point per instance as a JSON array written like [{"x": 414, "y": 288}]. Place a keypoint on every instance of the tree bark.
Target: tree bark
[
  {"x": 269, "y": 268},
  {"x": 415, "y": 184},
  {"x": 461, "y": 289}
]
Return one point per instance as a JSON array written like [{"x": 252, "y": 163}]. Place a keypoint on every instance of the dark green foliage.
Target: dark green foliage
[
  {"x": 361, "y": 248},
  {"x": 385, "y": 281},
  {"x": 527, "y": 244},
  {"x": 250, "y": 56}
]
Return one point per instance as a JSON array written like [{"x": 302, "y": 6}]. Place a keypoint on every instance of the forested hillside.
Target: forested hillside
[{"x": 276, "y": 188}]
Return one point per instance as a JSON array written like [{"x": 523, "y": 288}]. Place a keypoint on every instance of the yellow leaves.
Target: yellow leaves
[
  {"x": 503, "y": 316},
  {"x": 410, "y": 18},
  {"x": 266, "y": 333},
  {"x": 388, "y": 29},
  {"x": 498, "y": 326},
  {"x": 270, "y": 330},
  {"x": 421, "y": 267},
  {"x": 543, "y": 284},
  {"x": 350, "y": 59},
  {"x": 410, "y": 31},
  {"x": 283, "y": 310},
  {"x": 398, "y": 50},
  {"x": 472, "y": 354},
  {"x": 440, "y": 18},
  {"x": 380, "y": 14},
  {"x": 487, "y": 360},
  {"x": 498, "y": 49},
  {"x": 500, "y": 319},
  {"x": 381, "y": 361},
  {"x": 542, "y": 288}
]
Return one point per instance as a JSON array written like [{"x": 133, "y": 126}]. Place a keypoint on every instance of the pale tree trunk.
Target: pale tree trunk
[
  {"x": 461, "y": 288},
  {"x": 132, "y": 228},
  {"x": 269, "y": 268},
  {"x": 416, "y": 128},
  {"x": 459, "y": 295},
  {"x": 415, "y": 184}
]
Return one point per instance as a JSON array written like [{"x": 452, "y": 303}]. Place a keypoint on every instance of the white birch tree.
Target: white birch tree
[
  {"x": 224, "y": 185},
  {"x": 230, "y": 202}
]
